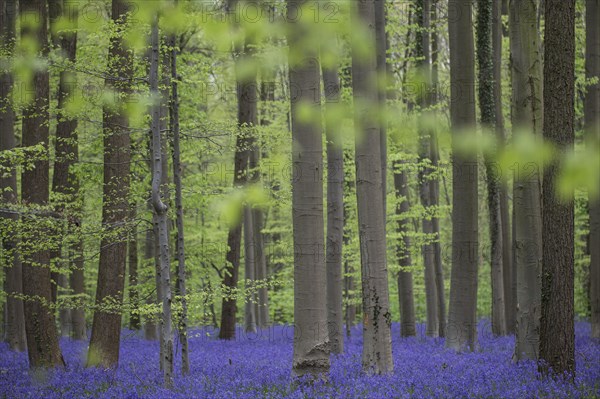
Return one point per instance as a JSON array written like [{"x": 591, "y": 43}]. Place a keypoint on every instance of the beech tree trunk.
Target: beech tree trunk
[
  {"x": 106, "y": 325},
  {"x": 132, "y": 255},
  {"x": 42, "y": 336},
  {"x": 487, "y": 107},
  {"x": 526, "y": 119},
  {"x": 335, "y": 212},
  {"x": 435, "y": 183},
  {"x": 311, "y": 345},
  {"x": 557, "y": 325},
  {"x": 592, "y": 126},
  {"x": 405, "y": 279},
  {"x": 509, "y": 308},
  {"x": 177, "y": 177},
  {"x": 377, "y": 349},
  {"x": 160, "y": 211},
  {"x": 462, "y": 315},
  {"x": 423, "y": 53},
  {"x": 14, "y": 333}
]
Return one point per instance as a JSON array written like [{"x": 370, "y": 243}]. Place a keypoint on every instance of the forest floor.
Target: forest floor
[{"x": 259, "y": 367}]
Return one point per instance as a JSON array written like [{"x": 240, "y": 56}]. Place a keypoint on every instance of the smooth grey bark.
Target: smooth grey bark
[
  {"x": 150, "y": 326},
  {"x": 557, "y": 324},
  {"x": 177, "y": 176},
  {"x": 592, "y": 126},
  {"x": 260, "y": 259},
  {"x": 462, "y": 314},
  {"x": 423, "y": 64},
  {"x": 160, "y": 211},
  {"x": 14, "y": 333},
  {"x": 377, "y": 349},
  {"x": 311, "y": 345},
  {"x": 250, "y": 321},
  {"x": 435, "y": 183},
  {"x": 509, "y": 309},
  {"x": 335, "y": 212},
  {"x": 381, "y": 44},
  {"x": 487, "y": 108},
  {"x": 132, "y": 256},
  {"x": 42, "y": 338},
  {"x": 405, "y": 278},
  {"x": 526, "y": 119}
]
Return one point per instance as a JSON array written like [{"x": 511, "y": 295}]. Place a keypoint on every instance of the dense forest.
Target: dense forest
[{"x": 300, "y": 198}]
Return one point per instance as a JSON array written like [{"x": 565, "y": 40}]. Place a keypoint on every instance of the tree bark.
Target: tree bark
[
  {"x": 106, "y": 325},
  {"x": 335, "y": 212},
  {"x": 423, "y": 54},
  {"x": 42, "y": 337},
  {"x": 160, "y": 210},
  {"x": 526, "y": 119},
  {"x": 509, "y": 308},
  {"x": 435, "y": 183},
  {"x": 150, "y": 326},
  {"x": 311, "y": 346},
  {"x": 14, "y": 334},
  {"x": 592, "y": 126},
  {"x": 177, "y": 177},
  {"x": 249, "y": 271},
  {"x": 462, "y": 316},
  {"x": 487, "y": 107},
  {"x": 405, "y": 278},
  {"x": 377, "y": 350},
  {"x": 557, "y": 324},
  {"x": 132, "y": 254}
]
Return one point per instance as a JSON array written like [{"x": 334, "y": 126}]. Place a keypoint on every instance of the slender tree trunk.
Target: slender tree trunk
[
  {"x": 557, "y": 325},
  {"x": 423, "y": 53},
  {"x": 592, "y": 126},
  {"x": 13, "y": 281},
  {"x": 526, "y": 118},
  {"x": 262, "y": 315},
  {"x": 509, "y": 309},
  {"x": 132, "y": 254},
  {"x": 462, "y": 315},
  {"x": 249, "y": 269},
  {"x": 381, "y": 57},
  {"x": 65, "y": 181},
  {"x": 405, "y": 278},
  {"x": 335, "y": 211},
  {"x": 435, "y": 183},
  {"x": 160, "y": 211},
  {"x": 106, "y": 326},
  {"x": 177, "y": 177},
  {"x": 311, "y": 346},
  {"x": 150, "y": 327},
  {"x": 377, "y": 349},
  {"x": 42, "y": 337},
  {"x": 77, "y": 281},
  {"x": 487, "y": 107}
]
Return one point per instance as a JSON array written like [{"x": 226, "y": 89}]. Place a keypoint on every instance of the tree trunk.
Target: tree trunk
[
  {"x": 335, "y": 211},
  {"x": 377, "y": 349},
  {"x": 106, "y": 326},
  {"x": 526, "y": 119},
  {"x": 487, "y": 107},
  {"x": 160, "y": 210},
  {"x": 132, "y": 253},
  {"x": 150, "y": 327},
  {"x": 509, "y": 308},
  {"x": 350, "y": 311},
  {"x": 14, "y": 334},
  {"x": 249, "y": 270},
  {"x": 311, "y": 346},
  {"x": 435, "y": 183},
  {"x": 592, "y": 126},
  {"x": 462, "y": 315},
  {"x": 177, "y": 177},
  {"x": 423, "y": 53},
  {"x": 381, "y": 57},
  {"x": 557, "y": 325},
  {"x": 65, "y": 181},
  {"x": 42, "y": 337},
  {"x": 405, "y": 278}
]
